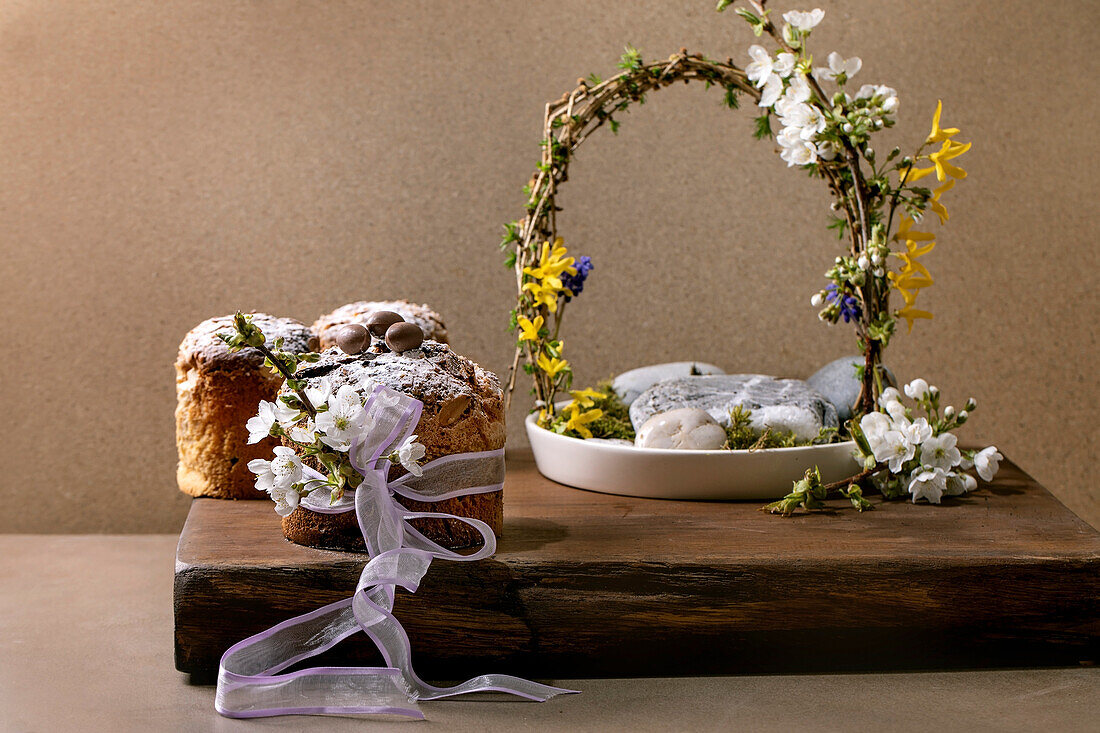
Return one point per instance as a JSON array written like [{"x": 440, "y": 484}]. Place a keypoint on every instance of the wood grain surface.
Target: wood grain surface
[{"x": 588, "y": 584}]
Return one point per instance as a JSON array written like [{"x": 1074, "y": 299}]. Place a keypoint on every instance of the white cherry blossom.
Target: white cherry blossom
[
  {"x": 259, "y": 427},
  {"x": 917, "y": 389},
  {"x": 801, "y": 152},
  {"x": 896, "y": 410},
  {"x": 319, "y": 394},
  {"x": 959, "y": 483},
  {"x": 890, "y": 394},
  {"x": 343, "y": 420},
  {"x": 804, "y": 20},
  {"x": 928, "y": 483},
  {"x": 409, "y": 453},
  {"x": 305, "y": 433},
  {"x": 940, "y": 451},
  {"x": 269, "y": 413},
  {"x": 917, "y": 431},
  {"x": 771, "y": 92},
  {"x": 281, "y": 472},
  {"x": 784, "y": 64},
  {"x": 799, "y": 90},
  {"x": 839, "y": 65},
  {"x": 866, "y": 91},
  {"x": 894, "y": 450},
  {"x": 986, "y": 462},
  {"x": 889, "y": 98},
  {"x": 874, "y": 425},
  {"x": 759, "y": 70},
  {"x": 286, "y": 500}
]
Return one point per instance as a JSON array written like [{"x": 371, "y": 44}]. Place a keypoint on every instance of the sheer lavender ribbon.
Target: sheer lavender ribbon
[{"x": 249, "y": 683}]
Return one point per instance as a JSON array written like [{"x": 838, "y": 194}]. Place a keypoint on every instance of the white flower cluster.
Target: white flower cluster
[
  {"x": 932, "y": 463},
  {"x": 786, "y": 91},
  {"x": 340, "y": 418},
  {"x": 280, "y": 477}
]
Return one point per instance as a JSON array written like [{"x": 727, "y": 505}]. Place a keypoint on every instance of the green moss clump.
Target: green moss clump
[
  {"x": 740, "y": 434},
  {"x": 615, "y": 422}
]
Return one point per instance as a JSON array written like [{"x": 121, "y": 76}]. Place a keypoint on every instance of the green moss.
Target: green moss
[
  {"x": 741, "y": 435},
  {"x": 615, "y": 422}
]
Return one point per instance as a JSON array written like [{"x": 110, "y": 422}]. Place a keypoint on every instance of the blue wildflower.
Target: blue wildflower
[
  {"x": 575, "y": 283},
  {"x": 849, "y": 306}
]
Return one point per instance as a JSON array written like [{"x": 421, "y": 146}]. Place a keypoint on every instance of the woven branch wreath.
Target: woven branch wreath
[{"x": 877, "y": 204}]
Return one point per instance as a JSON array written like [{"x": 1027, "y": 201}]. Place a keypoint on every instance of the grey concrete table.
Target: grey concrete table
[{"x": 86, "y": 644}]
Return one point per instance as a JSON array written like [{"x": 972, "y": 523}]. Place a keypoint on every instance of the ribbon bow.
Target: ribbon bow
[{"x": 249, "y": 683}]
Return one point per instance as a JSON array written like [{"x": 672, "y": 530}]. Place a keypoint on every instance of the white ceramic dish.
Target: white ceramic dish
[{"x": 659, "y": 473}]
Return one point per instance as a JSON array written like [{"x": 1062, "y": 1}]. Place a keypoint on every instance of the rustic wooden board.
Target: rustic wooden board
[{"x": 588, "y": 584}]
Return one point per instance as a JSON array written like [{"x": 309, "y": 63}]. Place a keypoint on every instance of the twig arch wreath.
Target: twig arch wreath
[{"x": 531, "y": 241}]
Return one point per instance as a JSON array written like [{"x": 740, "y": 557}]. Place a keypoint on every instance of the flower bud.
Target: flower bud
[
  {"x": 962, "y": 417},
  {"x": 971, "y": 404},
  {"x": 948, "y": 412},
  {"x": 934, "y": 391},
  {"x": 816, "y": 300},
  {"x": 847, "y": 127},
  {"x": 790, "y": 35},
  {"x": 863, "y": 263}
]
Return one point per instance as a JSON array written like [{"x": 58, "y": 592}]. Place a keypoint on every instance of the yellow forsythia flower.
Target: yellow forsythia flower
[
  {"x": 913, "y": 277},
  {"x": 939, "y": 159},
  {"x": 939, "y": 134},
  {"x": 934, "y": 202},
  {"x": 529, "y": 330},
  {"x": 578, "y": 421},
  {"x": 905, "y": 232},
  {"x": 910, "y": 314},
  {"x": 552, "y": 263},
  {"x": 543, "y": 295},
  {"x": 552, "y": 366},
  {"x": 949, "y": 151},
  {"x": 586, "y": 397}
]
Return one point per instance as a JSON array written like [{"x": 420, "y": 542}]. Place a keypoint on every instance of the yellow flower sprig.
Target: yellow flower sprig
[
  {"x": 914, "y": 276},
  {"x": 551, "y": 362},
  {"x": 579, "y": 419},
  {"x": 586, "y": 397},
  {"x": 528, "y": 329},
  {"x": 546, "y": 288},
  {"x": 948, "y": 151}
]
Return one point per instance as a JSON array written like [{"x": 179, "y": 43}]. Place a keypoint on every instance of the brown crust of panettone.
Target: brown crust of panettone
[
  {"x": 430, "y": 322},
  {"x": 341, "y": 531},
  {"x": 438, "y": 378},
  {"x": 217, "y": 391}
]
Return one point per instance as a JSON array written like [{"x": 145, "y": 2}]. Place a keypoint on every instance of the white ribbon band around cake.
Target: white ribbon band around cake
[{"x": 249, "y": 683}]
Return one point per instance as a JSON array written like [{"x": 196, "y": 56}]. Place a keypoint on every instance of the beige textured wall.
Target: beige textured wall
[{"x": 162, "y": 162}]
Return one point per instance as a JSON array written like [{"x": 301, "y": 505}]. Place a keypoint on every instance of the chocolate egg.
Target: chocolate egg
[
  {"x": 404, "y": 336},
  {"x": 353, "y": 338},
  {"x": 379, "y": 322}
]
